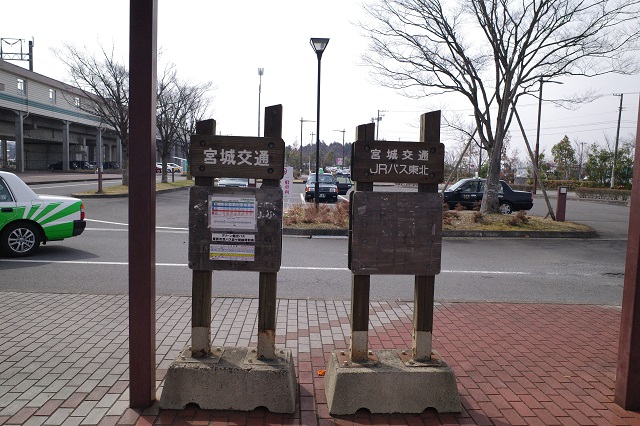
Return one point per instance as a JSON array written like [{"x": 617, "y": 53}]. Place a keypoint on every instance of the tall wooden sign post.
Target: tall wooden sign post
[
  {"x": 394, "y": 233},
  {"x": 234, "y": 229}
]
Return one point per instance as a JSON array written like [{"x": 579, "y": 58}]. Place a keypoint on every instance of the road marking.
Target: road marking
[
  {"x": 127, "y": 225},
  {"x": 82, "y": 183},
  {"x": 296, "y": 268}
]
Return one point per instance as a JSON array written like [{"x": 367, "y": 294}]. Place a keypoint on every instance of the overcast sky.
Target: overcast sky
[{"x": 226, "y": 43}]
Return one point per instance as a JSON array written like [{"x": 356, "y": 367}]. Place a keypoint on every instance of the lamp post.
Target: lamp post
[
  {"x": 537, "y": 151},
  {"x": 260, "y": 72},
  {"x": 302, "y": 120},
  {"x": 319, "y": 45},
  {"x": 342, "y": 145}
]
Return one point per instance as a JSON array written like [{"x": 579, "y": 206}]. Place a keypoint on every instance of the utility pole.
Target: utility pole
[
  {"x": 536, "y": 152},
  {"x": 582, "y": 144},
  {"x": 377, "y": 120},
  {"x": 343, "y": 130},
  {"x": 615, "y": 150},
  {"x": 302, "y": 120},
  {"x": 312, "y": 135}
]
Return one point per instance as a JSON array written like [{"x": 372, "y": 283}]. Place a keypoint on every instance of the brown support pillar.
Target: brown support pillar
[
  {"x": 202, "y": 280},
  {"x": 268, "y": 281},
  {"x": 424, "y": 286},
  {"x": 627, "y": 393},
  {"x": 361, "y": 284},
  {"x": 142, "y": 202}
]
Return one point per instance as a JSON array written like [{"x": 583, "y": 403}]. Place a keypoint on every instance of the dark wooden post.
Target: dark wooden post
[
  {"x": 627, "y": 393},
  {"x": 142, "y": 205},
  {"x": 361, "y": 284},
  {"x": 202, "y": 280},
  {"x": 425, "y": 284},
  {"x": 268, "y": 281}
]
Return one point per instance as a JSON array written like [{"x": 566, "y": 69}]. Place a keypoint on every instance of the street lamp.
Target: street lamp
[
  {"x": 302, "y": 120},
  {"x": 342, "y": 145},
  {"x": 260, "y": 72},
  {"x": 319, "y": 45},
  {"x": 535, "y": 179}
]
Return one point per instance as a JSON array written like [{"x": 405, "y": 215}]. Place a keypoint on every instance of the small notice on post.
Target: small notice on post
[
  {"x": 233, "y": 213},
  {"x": 232, "y": 252}
]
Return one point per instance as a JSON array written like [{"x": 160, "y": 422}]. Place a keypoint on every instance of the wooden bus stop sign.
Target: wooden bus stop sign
[
  {"x": 235, "y": 229},
  {"x": 237, "y": 156},
  {"x": 397, "y": 162},
  {"x": 396, "y": 233}
]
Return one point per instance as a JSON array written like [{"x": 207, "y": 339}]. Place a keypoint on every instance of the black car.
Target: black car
[
  {"x": 327, "y": 185},
  {"x": 343, "y": 182},
  {"x": 468, "y": 193}
]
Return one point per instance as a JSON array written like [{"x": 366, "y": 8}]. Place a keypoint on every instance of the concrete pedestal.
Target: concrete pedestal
[
  {"x": 231, "y": 378},
  {"x": 390, "y": 382}
]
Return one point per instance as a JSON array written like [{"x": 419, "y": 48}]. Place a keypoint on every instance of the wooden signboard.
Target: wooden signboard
[
  {"x": 235, "y": 229},
  {"x": 398, "y": 162},
  {"x": 237, "y": 156},
  {"x": 396, "y": 233}
]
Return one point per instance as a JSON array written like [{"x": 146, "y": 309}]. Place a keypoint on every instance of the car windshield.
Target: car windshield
[
  {"x": 324, "y": 178},
  {"x": 457, "y": 185},
  {"x": 343, "y": 179}
]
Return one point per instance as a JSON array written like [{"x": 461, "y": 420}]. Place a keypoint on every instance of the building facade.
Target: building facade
[{"x": 46, "y": 120}]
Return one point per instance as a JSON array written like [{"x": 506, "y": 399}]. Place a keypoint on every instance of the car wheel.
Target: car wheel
[
  {"x": 505, "y": 208},
  {"x": 20, "y": 239}
]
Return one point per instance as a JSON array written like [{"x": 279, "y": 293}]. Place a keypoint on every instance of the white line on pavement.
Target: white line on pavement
[{"x": 298, "y": 268}]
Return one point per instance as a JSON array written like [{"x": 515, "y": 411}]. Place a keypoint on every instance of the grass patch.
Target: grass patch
[
  {"x": 124, "y": 190},
  {"x": 467, "y": 220},
  {"x": 327, "y": 217}
]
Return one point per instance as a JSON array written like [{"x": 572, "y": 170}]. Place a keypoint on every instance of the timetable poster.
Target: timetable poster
[{"x": 233, "y": 212}]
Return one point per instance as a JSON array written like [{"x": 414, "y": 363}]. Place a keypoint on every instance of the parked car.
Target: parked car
[
  {"x": 105, "y": 165},
  {"x": 233, "y": 182},
  {"x": 343, "y": 182},
  {"x": 173, "y": 167},
  {"x": 28, "y": 219},
  {"x": 328, "y": 191},
  {"x": 468, "y": 192},
  {"x": 73, "y": 165}
]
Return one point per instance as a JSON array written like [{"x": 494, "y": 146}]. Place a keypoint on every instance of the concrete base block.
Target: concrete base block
[
  {"x": 390, "y": 382},
  {"x": 231, "y": 378}
]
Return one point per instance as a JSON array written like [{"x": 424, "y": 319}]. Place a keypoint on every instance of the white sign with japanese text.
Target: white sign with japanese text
[{"x": 286, "y": 184}]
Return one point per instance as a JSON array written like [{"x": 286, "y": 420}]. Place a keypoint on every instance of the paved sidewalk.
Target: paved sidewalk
[{"x": 64, "y": 359}]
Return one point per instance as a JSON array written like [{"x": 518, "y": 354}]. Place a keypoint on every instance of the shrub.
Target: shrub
[
  {"x": 449, "y": 216},
  {"x": 478, "y": 217},
  {"x": 307, "y": 214},
  {"x": 604, "y": 194}
]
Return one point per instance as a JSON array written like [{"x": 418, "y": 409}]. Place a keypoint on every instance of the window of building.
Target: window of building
[
  {"x": 76, "y": 101},
  {"x": 1, "y": 87},
  {"x": 52, "y": 96},
  {"x": 22, "y": 87}
]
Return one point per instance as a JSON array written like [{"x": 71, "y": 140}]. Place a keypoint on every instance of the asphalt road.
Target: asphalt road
[{"x": 510, "y": 270}]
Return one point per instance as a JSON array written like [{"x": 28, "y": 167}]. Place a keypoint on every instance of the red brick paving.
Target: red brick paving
[{"x": 515, "y": 363}]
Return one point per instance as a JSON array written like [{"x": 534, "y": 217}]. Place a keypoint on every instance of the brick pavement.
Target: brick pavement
[{"x": 64, "y": 359}]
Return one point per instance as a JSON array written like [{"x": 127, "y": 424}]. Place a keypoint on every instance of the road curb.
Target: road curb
[
  {"x": 309, "y": 232},
  {"x": 158, "y": 191}
]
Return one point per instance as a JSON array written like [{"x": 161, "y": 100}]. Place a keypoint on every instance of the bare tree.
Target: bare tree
[
  {"x": 178, "y": 103},
  {"x": 106, "y": 81},
  {"x": 198, "y": 110},
  {"x": 494, "y": 52}
]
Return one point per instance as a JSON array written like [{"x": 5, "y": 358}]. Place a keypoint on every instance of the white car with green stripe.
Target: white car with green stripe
[{"x": 28, "y": 219}]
